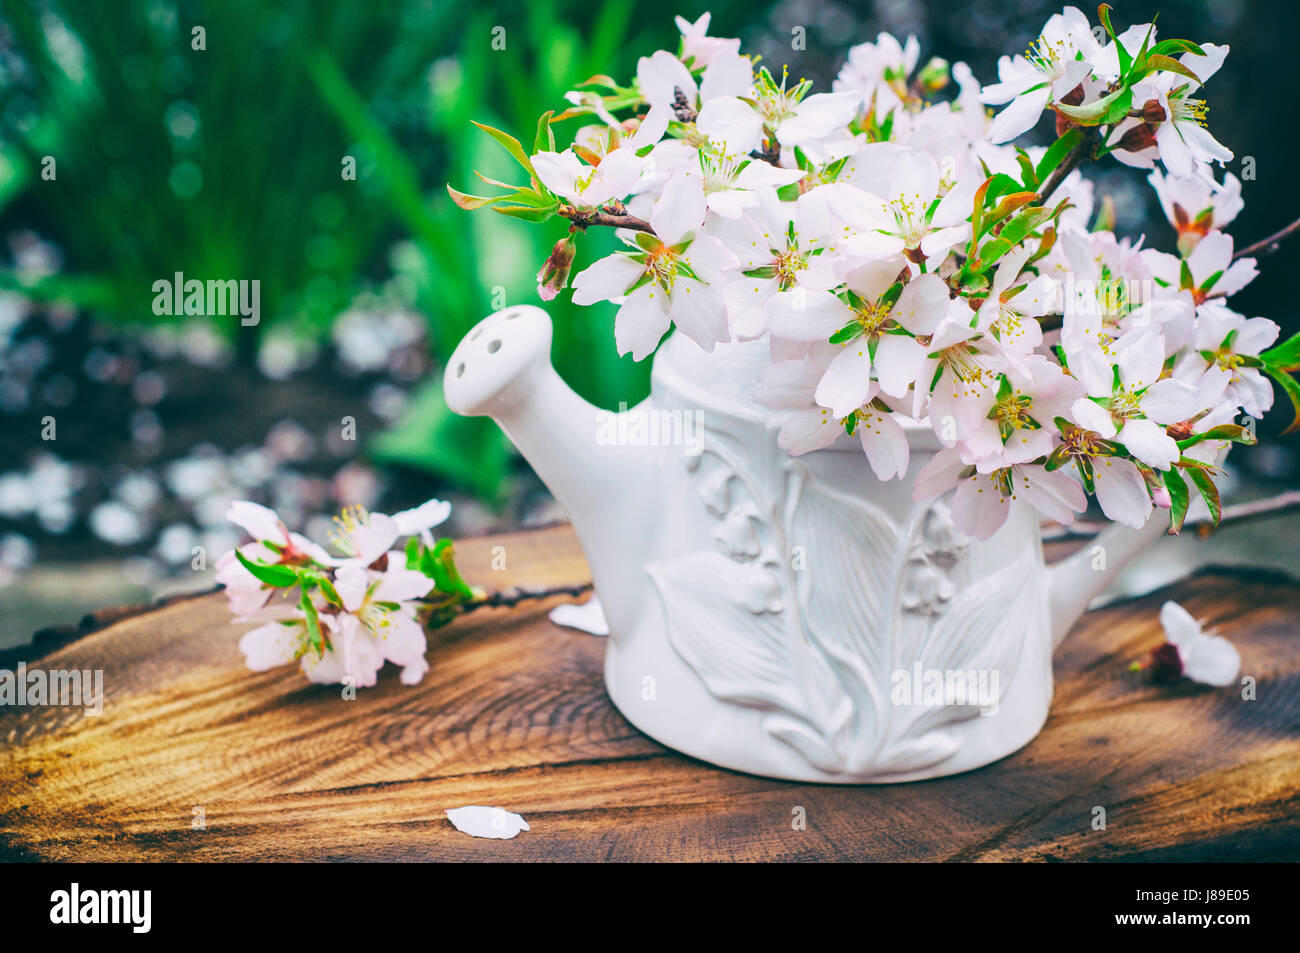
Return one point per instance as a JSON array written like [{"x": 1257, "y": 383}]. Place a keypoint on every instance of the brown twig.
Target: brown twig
[
  {"x": 1268, "y": 245},
  {"x": 1284, "y": 502},
  {"x": 612, "y": 216},
  {"x": 1076, "y": 157},
  {"x": 517, "y": 594}
]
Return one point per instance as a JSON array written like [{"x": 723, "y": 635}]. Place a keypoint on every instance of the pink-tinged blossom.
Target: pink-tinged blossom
[{"x": 983, "y": 500}]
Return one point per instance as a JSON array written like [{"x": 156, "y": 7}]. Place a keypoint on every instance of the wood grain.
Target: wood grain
[{"x": 513, "y": 714}]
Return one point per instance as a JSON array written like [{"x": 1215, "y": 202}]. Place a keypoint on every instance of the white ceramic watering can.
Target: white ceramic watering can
[{"x": 787, "y": 616}]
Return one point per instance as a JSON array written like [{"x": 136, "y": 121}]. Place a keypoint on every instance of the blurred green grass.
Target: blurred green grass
[{"x": 226, "y": 162}]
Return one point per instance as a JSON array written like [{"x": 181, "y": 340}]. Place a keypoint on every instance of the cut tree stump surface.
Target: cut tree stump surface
[{"x": 513, "y": 714}]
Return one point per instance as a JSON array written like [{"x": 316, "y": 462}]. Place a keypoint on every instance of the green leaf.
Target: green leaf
[
  {"x": 1007, "y": 205},
  {"x": 527, "y": 212},
  {"x": 511, "y": 145},
  {"x": 1103, "y": 14},
  {"x": 1142, "y": 54},
  {"x": 534, "y": 199},
  {"x": 977, "y": 215},
  {"x": 1057, "y": 151},
  {"x": 1169, "y": 47},
  {"x": 1179, "y": 499},
  {"x": 1092, "y": 114},
  {"x": 439, "y": 564},
  {"x": 1291, "y": 388},
  {"x": 1000, "y": 185},
  {"x": 314, "y": 637},
  {"x": 544, "y": 141},
  {"x": 1125, "y": 58},
  {"x": 1158, "y": 61},
  {"x": 991, "y": 252},
  {"x": 471, "y": 202},
  {"x": 277, "y": 577},
  {"x": 326, "y": 586},
  {"x": 1209, "y": 492},
  {"x": 1027, "y": 174},
  {"x": 1119, "y": 108},
  {"x": 1234, "y": 432},
  {"x": 1284, "y": 357}
]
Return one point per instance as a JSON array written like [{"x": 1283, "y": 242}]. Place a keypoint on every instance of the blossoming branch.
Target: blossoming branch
[
  {"x": 341, "y": 617},
  {"x": 907, "y": 260}
]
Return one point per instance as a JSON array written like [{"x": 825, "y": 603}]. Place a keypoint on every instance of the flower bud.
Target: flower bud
[
  {"x": 934, "y": 75},
  {"x": 554, "y": 276},
  {"x": 1153, "y": 112},
  {"x": 1138, "y": 138},
  {"x": 1161, "y": 498}
]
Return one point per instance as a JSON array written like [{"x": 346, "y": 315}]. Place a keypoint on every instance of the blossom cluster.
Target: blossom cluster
[
  {"x": 911, "y": 266},
  {"x": 341, "y": 617}
]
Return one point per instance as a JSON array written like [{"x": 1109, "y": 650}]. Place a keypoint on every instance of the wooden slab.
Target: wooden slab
[{"x": 513, "y": 714}]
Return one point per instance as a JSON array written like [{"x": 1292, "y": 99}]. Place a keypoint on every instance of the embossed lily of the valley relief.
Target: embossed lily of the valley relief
[{"x": 816, "y": 649}]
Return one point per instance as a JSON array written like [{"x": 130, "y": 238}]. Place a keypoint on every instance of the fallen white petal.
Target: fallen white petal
[
  {"x": 486, "y": 821},
  {"x": 588, "y": 617},
  {"x": 1206, "y": 658}
]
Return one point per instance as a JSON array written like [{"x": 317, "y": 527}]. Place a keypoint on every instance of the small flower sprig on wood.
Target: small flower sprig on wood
[{"x": 341, "y": 617}]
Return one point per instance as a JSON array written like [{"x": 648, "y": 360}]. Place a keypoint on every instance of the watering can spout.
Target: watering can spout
[
  {"x": 1079, "y": 578},
  {"x": 502, "y": 369}
]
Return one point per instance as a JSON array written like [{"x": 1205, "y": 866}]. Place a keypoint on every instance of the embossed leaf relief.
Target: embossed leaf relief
[{"x": 814, "y": 648}]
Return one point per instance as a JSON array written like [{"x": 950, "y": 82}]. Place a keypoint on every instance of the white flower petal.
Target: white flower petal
[
  {"x": 491, "y": 822},
  {"x": 642, "y": 321},
  {"x": 809, "y": 430},
  {"x": 885, "y": 444},
  {"x": 587, "y": 617},
  {"x": 605, "y": 279},
  {"x": 270, "y": 645},
  {"x": 1211, "y": 660},
  {"x": 1121, "y": 491},
  {"x": 847, "y": 381},
  {"x": 679, "y": 210},
  {"x": 732, "y": 123},
  {"x": 258, "y": 521},
  {"x": 425, "y": 516}
]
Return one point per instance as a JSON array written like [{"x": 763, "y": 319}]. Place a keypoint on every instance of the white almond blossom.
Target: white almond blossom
[
  {"x": 672, "y": 278},
  {"x": 1226, "y": 347},
  {"x": 1135, "y": 404},
  {"x": 878, "y": 72},
  {"x": 1196, "y": 205},
  {"x": 1055, "y": 63},
  {"x": 1182, "y": 139}
]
